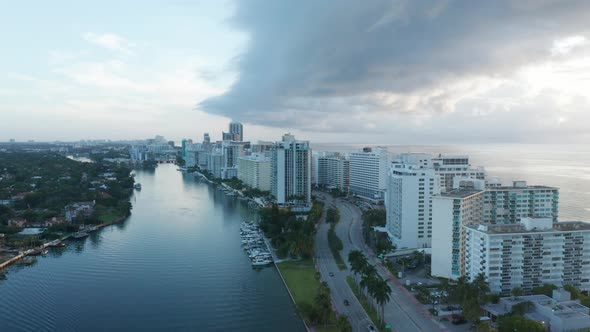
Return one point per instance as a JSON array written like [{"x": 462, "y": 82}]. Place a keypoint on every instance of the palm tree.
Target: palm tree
[
  {"x": 369, "y": 275},
  {"x": 480, "y": 288},
  {"x": 382, "y": 294},
  {"x": 357, "y": 262}
]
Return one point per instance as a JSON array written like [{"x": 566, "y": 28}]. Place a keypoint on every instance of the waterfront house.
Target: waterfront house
[
  {"x": 17, "y": 222},
  {"x": 79, "y": 211}
]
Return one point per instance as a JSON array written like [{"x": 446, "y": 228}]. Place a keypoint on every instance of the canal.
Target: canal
[{"x": 175, "y": 264}]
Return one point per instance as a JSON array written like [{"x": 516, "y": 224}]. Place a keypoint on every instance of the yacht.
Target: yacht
[
  {"x": 79, "y": 235},
  {"x": 260, "y": 262}
]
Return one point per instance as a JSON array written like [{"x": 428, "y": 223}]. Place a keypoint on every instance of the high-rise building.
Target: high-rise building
[
  {"x": 237, "y": 130},
  {"x": 534, "y": 252},
  {"x": 332, "y": 171},
  {"x": 448, "y": 167},
  {"x": 291, "y": 170},
  {"x": 507, "y": 205},
  {"x": 368, "y": 173},
  {"x": 254, "y": 171},
  {"x": 408, "y": 203},
  {"x": 450, "y": 211},
  {"x": 206, "y": 138}
]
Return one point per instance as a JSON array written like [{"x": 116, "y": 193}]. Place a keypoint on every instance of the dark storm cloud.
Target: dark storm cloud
[{"x": 319, "y": 59}]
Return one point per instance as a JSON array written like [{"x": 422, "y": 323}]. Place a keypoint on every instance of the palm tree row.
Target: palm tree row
[{"x": 371, "y": 282}]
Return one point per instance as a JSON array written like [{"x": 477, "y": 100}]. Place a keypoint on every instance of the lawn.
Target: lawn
[
  {"x": 301, "y": 280},
  {"x": 107, "y": 215}
]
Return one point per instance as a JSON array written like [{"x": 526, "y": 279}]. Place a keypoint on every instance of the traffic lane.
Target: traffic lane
[
  {"x": 401, "y": 311},
  {"x": 339, "y": 287}
]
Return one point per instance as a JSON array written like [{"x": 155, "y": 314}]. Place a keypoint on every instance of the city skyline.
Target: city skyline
[{"x": 384, "y": 72}]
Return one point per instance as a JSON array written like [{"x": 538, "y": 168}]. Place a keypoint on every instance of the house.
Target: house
[
  {"x": 79, "y": 211},
  {"x": 54, "y": 221},
  {"x": 17, "y": 222},
  {"x": 557, "y": 314}
]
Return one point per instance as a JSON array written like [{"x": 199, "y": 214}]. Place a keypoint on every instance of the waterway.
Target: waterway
[{"x": 175, "y": 265}]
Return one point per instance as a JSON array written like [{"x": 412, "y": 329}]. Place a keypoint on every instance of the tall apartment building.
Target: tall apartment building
[
  {"x": 368, "y": 173},
  {"x": 237, "y": 130},
  {"x": 408, "y": 203},
  {"x": 291, "y": 170},
  {"x": 529, "y": 254},
  {"x": 215, "y": 163},
  {"x": 450, "y": 211},
  {"x": 508, "y": 205},
  {"x": 332, "y": 170},
  {"x": 254, "y": 171}
]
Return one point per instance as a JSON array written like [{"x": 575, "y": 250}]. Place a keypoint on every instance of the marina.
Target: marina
[{"x": 254, "y": 244}]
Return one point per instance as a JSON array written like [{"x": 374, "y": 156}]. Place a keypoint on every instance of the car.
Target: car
[
  {"x": 371, "y": 328},
  {"x": 346, "y": 303},
  {"x": 331, "y": 274}
]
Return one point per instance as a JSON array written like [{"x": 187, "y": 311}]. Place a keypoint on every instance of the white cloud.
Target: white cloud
[{"x": 110, "y": 41}]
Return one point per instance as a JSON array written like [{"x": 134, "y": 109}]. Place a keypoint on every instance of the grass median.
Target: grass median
[
  {"x": 370, "y": 309},
  {"x": 335, "y": 247}
]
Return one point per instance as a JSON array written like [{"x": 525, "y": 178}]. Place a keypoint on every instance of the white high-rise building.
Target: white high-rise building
[
  {"x": 412, "y": 180},
  {"x": 254, "y": 171},
  {"x": 450, "y": 211},
  {"x": 215, "y": 163},
  {"x": 409, "y": 197},
  {"x": 332, "y": 171},
  {"x": 368, "y": 173},
  {"x": 507, "y": 205},
  {"x": 529, "y": 254},
  {"x": 448, "y": 167},
  {"x": 291, "y": 170}
]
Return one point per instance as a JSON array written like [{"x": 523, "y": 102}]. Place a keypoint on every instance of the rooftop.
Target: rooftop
[
  {"x": 520, "y": 228},
  {"x": 460, "y": 193}
]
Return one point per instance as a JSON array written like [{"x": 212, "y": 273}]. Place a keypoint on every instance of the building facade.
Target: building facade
[
  {"x": 509, "y": 204},
  {"x": 450, "y": 211},
  {"x": 368, "y": 173},
  {"x": 254, "y": 171},
  {"x": 529, "y": 254},
  {"x": 332, "y": 171},
  {"x": 408, "y": 203},
  {"x": 291, "y": 171}
]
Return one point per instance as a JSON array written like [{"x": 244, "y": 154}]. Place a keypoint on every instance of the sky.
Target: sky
[{"x": 375, "y": 71}]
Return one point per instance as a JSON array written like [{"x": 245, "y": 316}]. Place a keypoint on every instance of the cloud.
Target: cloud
[
  {"x": 314, "y": 64},
  {"x": 110, "y": 41}
]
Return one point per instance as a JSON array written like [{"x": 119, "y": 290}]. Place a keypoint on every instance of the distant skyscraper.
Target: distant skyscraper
[
  {"x": 206, "y": 138},
  {"x": 237, "y": 131},
  {"x": 368, "y": 173}
]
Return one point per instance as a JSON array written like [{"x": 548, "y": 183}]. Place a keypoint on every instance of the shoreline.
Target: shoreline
[
  {"x": 267, "y": 242},
  {"x": 6, "y": 264}
]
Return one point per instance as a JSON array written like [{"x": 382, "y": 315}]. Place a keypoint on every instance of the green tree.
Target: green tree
[
  {"x": 546, "y": 289},
  {"x": 381, "y": 291},
  {"x": 517, "y": 291},
  {"x": 343, "y": 324},
  {"x": 323, "y": 302},
  {"x": 511, "y": 323},
  {"x": 357, "y": 262}
]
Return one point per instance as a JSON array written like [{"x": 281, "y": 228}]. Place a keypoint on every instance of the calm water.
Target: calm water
[
  {"x": 176, "y": 264},
  {"x": 564, "y": 166}
]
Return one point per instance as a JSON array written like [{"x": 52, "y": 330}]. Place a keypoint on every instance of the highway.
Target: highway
[
  {"x": 359, "y": 320},
  {"x": 402, "y": 312}
]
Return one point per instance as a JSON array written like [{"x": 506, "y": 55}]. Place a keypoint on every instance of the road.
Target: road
[
  {"x": 359, "y": 320},
  {"x": 402, "y": 312}
]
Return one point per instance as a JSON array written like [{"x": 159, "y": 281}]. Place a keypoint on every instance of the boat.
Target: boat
[
  {"x": 91, "y": 228},
  {"x": 260, "y": 262},
  {"x": 80, "y": 235},
  {"x": 44, "y": 252},
  {"x": 137, "y": 186}
]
